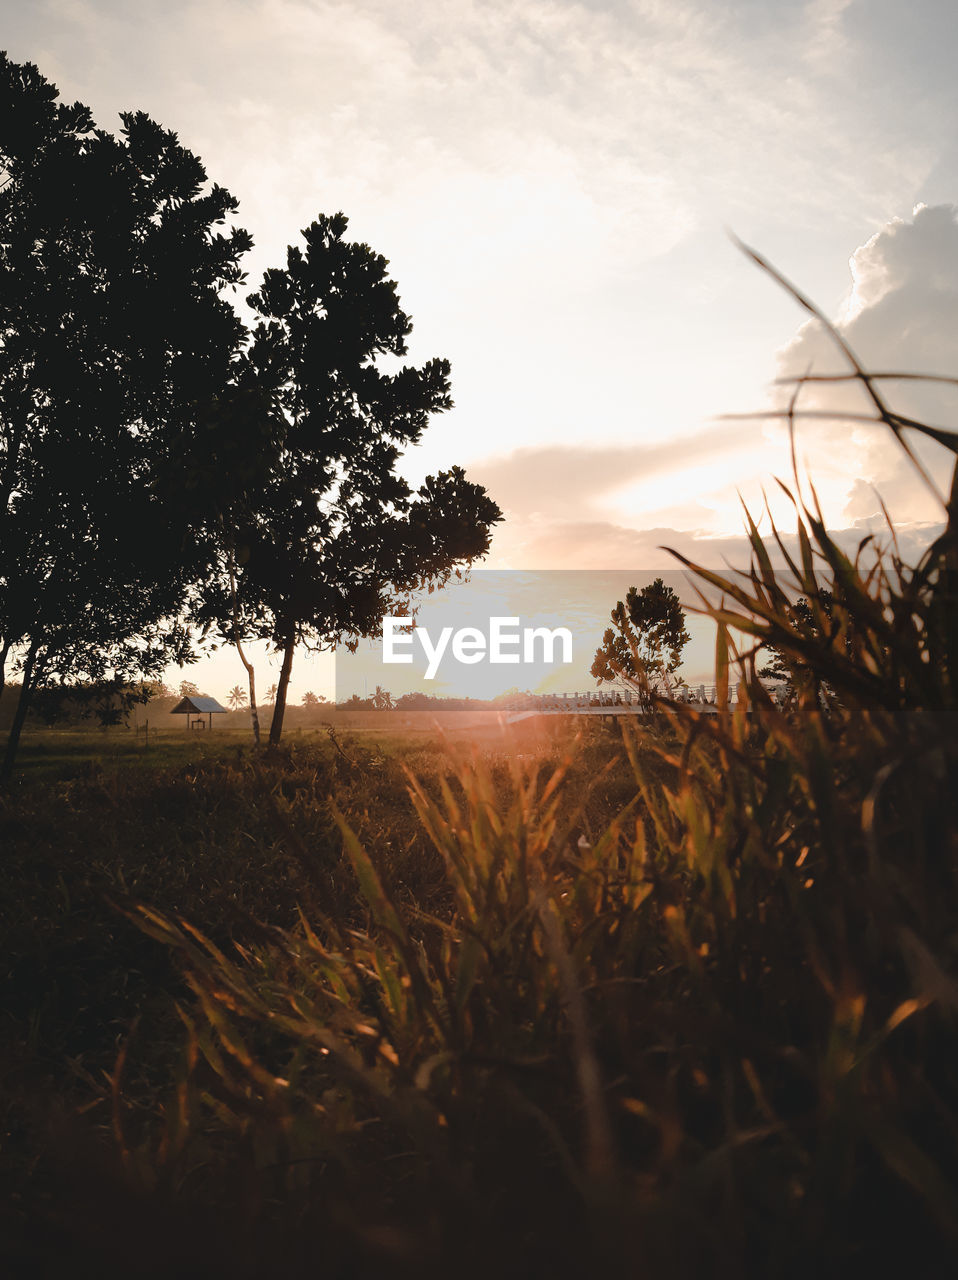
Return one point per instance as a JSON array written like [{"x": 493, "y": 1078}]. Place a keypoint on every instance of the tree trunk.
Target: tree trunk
[
  {"x": 251, "y": 678},
  {"x": 250, "y": 674},
  {"x": 4, "y": 651},
  {"x": 19, "y": 716},
  {"x": 279, "y": 710}
]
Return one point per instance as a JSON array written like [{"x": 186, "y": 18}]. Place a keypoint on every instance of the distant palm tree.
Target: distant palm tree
[
  {"x": 382, "y": 699},
  {"x": 271, "y": 693},
  {"x": 237, "y": 697},
  {"x": 310, "y": 699}
]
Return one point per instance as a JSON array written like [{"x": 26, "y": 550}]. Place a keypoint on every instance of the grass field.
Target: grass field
[
  {"x": 60, "y": 752},
  {"x": 662, "y": 1000},
  {"x": 195, "y": 826},
  {"x": 506, "y": 1040}
]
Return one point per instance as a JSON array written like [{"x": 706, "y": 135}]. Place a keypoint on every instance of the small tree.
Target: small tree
[
  {"x": 188, "y": 689},
  {"x": 643, "y": 647},
  {"x": 814, "y": 623},
  {"x": 310, "y": 700},
  {"x": 237, "y": 697},
  {"x": 382, "y": 699}
]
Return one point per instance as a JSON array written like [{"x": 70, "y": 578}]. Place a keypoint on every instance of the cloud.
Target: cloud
[
  {"x": 640, "y": 118},
  {"x": 535, "y": 171},
  {"x": 526, "y": 165},
  {"x": 600, "y": 544},
  {"x": 611, "y": 504},
  {"x": 900, "y": 315},
  {"x": 560, "y": 481}
]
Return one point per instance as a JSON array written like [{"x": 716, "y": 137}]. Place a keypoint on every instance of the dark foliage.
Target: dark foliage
[
  {"x": 114, "y": 340},
  {"x": 643, "y": 647},
  {"x": 320, "y": 547}
]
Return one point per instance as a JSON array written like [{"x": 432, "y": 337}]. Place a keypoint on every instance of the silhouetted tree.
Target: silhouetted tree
[
  {"x": 645, "y": 642},
  {"x": 108, "y": 701},
  {"x": 330, "y": 535},
  {"x": 113, "y": 340},
  {"x": 237, "y": 697},
  {"x": 814, "y": 625}
]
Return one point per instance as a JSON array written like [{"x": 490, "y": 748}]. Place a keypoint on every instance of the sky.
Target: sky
[{"x": 554, "y": 185}]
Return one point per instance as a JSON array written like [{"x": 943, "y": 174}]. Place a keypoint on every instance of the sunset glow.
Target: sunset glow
[{"x": 552, "y": 184}]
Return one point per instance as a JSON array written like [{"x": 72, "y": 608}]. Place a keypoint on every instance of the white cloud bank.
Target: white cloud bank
[
  {"x": 550, "y": 180},
  {"x": 900, "y": 314}
]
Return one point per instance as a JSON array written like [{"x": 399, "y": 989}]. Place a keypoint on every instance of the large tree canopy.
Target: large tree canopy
[
  {"x": 114, "y": 342},
  {"x": 153, "y": 458},
  {"x": 328, "y": 533}
]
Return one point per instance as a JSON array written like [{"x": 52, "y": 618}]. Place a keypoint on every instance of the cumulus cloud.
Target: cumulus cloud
[
  {"x": 901, "y": 316},
  {"x": 601, "y": 544},
  {"x": 558, "y": 481},
  {"x": 545, "y": 176}
]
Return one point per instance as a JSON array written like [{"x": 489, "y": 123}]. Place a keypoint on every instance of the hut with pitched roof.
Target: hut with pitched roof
[{"x": 195, "y": 708}]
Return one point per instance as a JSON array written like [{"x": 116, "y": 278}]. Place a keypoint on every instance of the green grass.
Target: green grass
[
  {"x": 50, "y": 754},
  {"x": 56, "y": 754}
]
